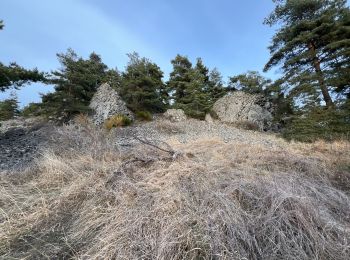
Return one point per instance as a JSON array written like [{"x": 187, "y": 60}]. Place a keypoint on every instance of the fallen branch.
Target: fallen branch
[{"x": 171, "y": 152}]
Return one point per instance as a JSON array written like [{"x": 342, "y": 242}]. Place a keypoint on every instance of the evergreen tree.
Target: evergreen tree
[
  {"x": 180, "y": 78},
  {"x": 317, "y": 123},
  {"x": 75, "y": 83},
  {"x": 32, "y": 109},
  {"x": 313, "y": 46},
  {"x": 251, "y": 82},
  {"x": 9, "y": 107},
  {"x": 196, "y": 103},
  {"x": 194, "y": 89},
  {"x": 142, "y": 87},
  {"x": 216, "y": 88},
  {"x": 16, "y": 76}
]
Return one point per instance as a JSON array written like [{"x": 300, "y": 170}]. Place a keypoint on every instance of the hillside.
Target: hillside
[{"x": 177, "y": 190}]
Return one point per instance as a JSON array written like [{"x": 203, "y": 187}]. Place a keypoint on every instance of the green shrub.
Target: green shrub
[
  {"x": 319, "y": 123},
  {"x": 32, "y": 109},
  {"x": 8, "y": 108},
  {"x": 117, "y": 121},
  {"x": 144, "y": 115}
]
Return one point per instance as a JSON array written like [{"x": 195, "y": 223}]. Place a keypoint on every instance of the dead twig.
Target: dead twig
[{"x": 170, "y": 151}]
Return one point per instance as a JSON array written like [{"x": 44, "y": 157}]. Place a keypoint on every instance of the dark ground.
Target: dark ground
[{"x": 20, "y": 145}]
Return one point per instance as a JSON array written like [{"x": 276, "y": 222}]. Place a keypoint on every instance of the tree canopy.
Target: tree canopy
[
  {"x": 9, "y": 107},
  {"x": 194, "y": 89},
  {"x": 312, "y": 46},
  {"x": 251, "y": 82},
  {"x": 142, "y": 87},
  {"x": 75, "y": 83},
  {"x": 16, "y": 76}
]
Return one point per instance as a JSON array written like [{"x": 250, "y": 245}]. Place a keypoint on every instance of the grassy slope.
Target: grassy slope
[{"x": 214, "y": 200}]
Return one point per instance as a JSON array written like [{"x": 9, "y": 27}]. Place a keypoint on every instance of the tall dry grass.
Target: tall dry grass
[{"x": 216, "y": 200}]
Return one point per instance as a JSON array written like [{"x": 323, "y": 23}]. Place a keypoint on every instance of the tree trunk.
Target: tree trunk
[{"x": 317, "y": 65}]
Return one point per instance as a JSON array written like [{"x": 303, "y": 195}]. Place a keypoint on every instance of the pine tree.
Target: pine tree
[
  {"x": 16, "y": 76},
  {"x": 194, "y": 89},
  {"x": 142, "y": 87},
  {"x": 9, "y": 107},
  {"x": 251, "y": 82},
  {"x": 196, "y": 103},
  {"x": 216, "y": 87},
  {"x": 312, "y": 46},
  {"x": 179, "y": 79},
  {"x": 317, "y": 123},
  {"x": 75, "y": 83}
]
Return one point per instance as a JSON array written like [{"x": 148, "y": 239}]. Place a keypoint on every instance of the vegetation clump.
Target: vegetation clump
[
  {"x": 144, "y": 115},
  {"x": 319, "y": 123},
  {"x": 32, "y": 109},
  {"x": 117, "y": 121},
  {"x": 9, "y": 108}
]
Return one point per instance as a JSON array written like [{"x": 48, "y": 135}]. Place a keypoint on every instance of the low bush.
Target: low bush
[
  {"x": 32, "y": 109},
  {"x": 144, "y": 115},
  {"x": 319, "y": 123},
  {"x": 117, "y": 121}
]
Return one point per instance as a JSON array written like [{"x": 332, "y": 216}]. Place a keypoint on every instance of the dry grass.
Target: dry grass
[
  {"x": 82, "y": 119},
  {"x": 216, "y": 200},
  {"x": 117, "y": 121}
]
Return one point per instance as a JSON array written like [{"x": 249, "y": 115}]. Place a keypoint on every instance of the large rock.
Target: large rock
[
  {"x": 175, "y": 115},
  {"x": 241, "y": 107},
  {"x": 106, "y": 102}
]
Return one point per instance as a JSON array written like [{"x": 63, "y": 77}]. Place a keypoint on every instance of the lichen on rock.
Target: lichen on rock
[
  {"x": 175, "y": 115},
  {"x": 238, "y": 107},
  {"x": 105, "y": 103}
]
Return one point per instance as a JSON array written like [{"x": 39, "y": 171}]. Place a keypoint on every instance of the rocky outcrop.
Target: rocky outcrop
[
  {"x": 175, "y": 115},
  {"x": 106, "y": 102},
  {"x": 240, "y": 107}
]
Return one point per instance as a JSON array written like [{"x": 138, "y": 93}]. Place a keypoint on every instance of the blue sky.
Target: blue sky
[{"x": 227, "y": 34}]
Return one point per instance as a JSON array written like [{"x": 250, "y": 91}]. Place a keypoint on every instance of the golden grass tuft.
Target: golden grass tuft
[
  {"x": 117, "y": 121},
  {"x": 215, "y": 200},
  {"x": 82, "y": 119}
]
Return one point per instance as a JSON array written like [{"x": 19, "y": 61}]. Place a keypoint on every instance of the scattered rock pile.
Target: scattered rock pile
[
  {"x": 106, "y": 102},
  {"x": 240, "y": 107},
  {"x": 20, "y": 142}
]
